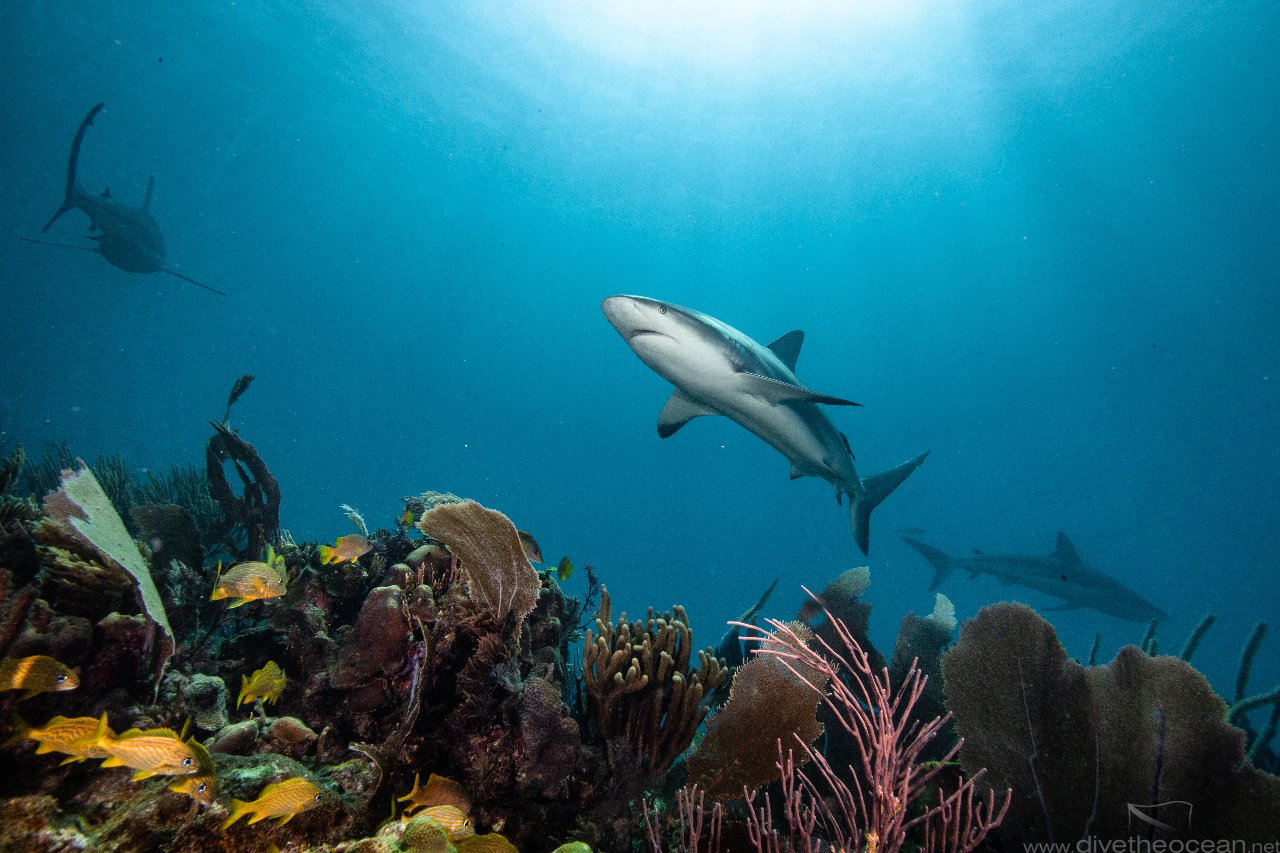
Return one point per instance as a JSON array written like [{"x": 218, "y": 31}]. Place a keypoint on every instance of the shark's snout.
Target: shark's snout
[{"x": 624, "y": 314}]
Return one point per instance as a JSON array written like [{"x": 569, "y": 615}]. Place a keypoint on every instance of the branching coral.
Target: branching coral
[
  {"x": 488, "y": 547},
  {"x": 257, "y": 509},
  {"x": 637, "y": 675}
]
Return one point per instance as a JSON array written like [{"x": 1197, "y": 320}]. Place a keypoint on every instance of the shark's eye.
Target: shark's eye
[{"x": 662, "y": 309}]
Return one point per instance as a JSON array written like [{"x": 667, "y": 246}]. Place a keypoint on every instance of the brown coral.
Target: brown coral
[
  {"x": 767, "y": 704},
  {"x": 638, "y": 677},
  {"x": 492, "y": 557},
  {"x": 1080, "y": 745}
]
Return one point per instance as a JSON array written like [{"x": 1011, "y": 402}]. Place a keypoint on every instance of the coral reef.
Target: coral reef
[{"x": 433, "y": 649}]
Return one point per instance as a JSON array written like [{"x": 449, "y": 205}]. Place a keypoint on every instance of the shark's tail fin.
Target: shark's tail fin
[
  {"x": 874, "y": 489},
  {"x": 73, "y": 186},
  {"x": 940, "y": 561}
]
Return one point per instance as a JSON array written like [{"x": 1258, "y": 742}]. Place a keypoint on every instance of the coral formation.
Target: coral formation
[{"x": 1079, "y": 745}]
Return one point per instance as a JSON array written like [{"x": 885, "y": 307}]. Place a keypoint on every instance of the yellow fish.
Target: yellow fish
[
  {"x": 151, "y": 752},
  {"x": 251, "y": 581},
  {"x": 266, "y": 684},
  {"x": 439, "y": 791},
  {"x": 73, "y": 736},
  {"x": 406, "y": 518},
  {"x": 454, "y": 820},
  {"x": 283, "y": 799},
  {"x": 564, "y": 568},
  {"x": 490, "y": 842},
  {"x": 36, "y": 674},
  {"x": 201, "y": 786},
  {"x": 347, "y": 549}
]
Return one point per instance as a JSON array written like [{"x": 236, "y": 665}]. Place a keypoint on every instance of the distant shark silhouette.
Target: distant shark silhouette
[
  {"x": 1061, "y": 574},
  {"x": 717, "y": 370},
  {"x": 128, "y": 237}
]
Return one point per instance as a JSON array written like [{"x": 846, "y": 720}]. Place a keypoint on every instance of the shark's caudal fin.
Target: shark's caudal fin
[
  {"x": 874, "y": 489},
  {"x": 176, "y": 274},
  {"x": 73, "y": 186},
  {"x": 940, "y": 561}
]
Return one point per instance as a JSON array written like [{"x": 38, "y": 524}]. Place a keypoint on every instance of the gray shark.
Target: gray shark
[
  {"x": 128, "y": 237},
  {"x": 718, "y": 370},
  {"x": 1061, "y": 574}
]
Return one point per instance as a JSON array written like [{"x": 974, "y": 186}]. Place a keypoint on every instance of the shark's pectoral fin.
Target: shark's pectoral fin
[
  {"x": 772, "y": 391},
  {"x": 678, "y": 411},
  {"x": 1065, "y": 605}
]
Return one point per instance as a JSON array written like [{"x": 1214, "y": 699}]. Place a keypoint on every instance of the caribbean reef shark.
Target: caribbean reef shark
[
  {"x": 718, "y": 370},
  {"x": 128, "y": 237},
  {"x": 1061, "y": 574}
]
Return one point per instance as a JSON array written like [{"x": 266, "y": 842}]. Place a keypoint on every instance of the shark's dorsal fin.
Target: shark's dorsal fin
[
  {"x": 678, "y": 411},
  {"x": 787, "y": 348},
  {"x": 151, "y": 184},
  {"x": 773, "y": 391},
  {"x": 1066, "y": 552}
]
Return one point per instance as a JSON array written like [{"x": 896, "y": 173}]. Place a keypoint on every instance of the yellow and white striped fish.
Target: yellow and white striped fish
[
  {"x": 252, "y": 581},
  {"x": 454, "y": 820},
  {"x": 36, "y": 674},
  {"x": 283, "y": 800},
  {"x": 151, "y": 752},
  {"x": 74, "y": 736}
]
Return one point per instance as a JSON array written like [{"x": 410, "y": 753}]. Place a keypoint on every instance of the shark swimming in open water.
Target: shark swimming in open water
[
  {"x": 1061, "y": 574},
  {"x": 128, "y": 237},
  {"x": 717, "y": 370}
]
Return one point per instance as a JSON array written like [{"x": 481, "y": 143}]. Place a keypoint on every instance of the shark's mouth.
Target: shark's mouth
[{"x": 639, "y": 333}]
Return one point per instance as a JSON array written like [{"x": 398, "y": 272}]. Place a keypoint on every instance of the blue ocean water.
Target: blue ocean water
[{"x": 1038, "y": 240}]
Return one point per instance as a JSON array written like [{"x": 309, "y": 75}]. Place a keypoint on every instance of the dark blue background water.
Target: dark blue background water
[{"x": 1038, "y": 239}]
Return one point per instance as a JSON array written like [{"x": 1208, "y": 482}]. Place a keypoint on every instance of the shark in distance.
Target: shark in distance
[
  {"x": 1061, "y": 574},
  {"x": 718, "y": 370},
  {"x": 128, "y": 237}
]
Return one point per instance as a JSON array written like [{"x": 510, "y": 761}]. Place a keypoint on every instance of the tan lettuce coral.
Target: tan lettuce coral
[{"x": 81, "y": 511}]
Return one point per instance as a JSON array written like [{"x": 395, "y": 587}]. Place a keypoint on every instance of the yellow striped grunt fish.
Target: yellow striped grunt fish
[
  {"x": 347, "y": 549},
  {"x": 36, "y": 674},
  {"x": 201, "y": 786},
  {"x": 266, "y": 684},
  {"x": 150, "y": 752},
  {"x": 74, "y": 736},
  {"x": 283, "y": 800},
  {"x": 251, "y": 581},
  {"x": 454, "y": 820}
]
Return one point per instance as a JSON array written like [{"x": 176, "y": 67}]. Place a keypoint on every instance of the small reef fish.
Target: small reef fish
[
  {"x": 202, "y": 786},
  {"x": 36, "y": 674},
  {"x": 251, "y": 581},
  {"x": 74, "y": 736},
  {"x": 439, "y": 791},
  {"x": 564, "y": 568},
  {"x": 454, "y": 820},
  {"x": 283, "y": 800},
  {"x": 150, "y": 752},
  {"x": 347, "y": 549},
  {"x": 529, "y": 545},
  {"x": 266, "y": 684}
]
